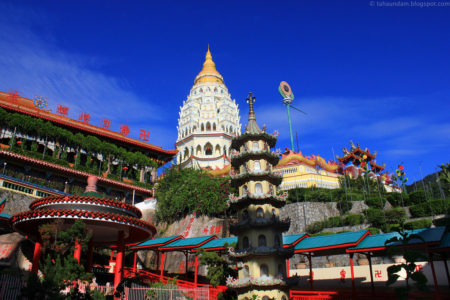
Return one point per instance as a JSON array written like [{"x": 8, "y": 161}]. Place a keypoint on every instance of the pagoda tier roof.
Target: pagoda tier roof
[
  {"x": 239, "y": 140},
  {"x": 274, "y": 178},
  {"x": 377, "y": 242},
  {"x": 25, "y": 106},
  {"x": 257, "y": 199},
  {"x": 72, "y": 172},
  {"x": 217, "y": 134},
  {"x": 355, "y": 153},
  {"x": 244, "y": 156},
  {"x": 246, "y": 224}
]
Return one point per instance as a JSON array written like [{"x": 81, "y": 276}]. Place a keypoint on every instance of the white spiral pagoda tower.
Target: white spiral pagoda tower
[{"x": 208, "y": 121}]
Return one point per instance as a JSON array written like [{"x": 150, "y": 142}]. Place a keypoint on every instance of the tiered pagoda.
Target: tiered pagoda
[
  {"x": 259, "y": 252},
  {"x": 357, "y": 160}
]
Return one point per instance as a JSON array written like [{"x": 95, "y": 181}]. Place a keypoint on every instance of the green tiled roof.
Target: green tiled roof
[
  {"x": 290, "y": 239},
  {"x": 445, "y": 242},
  {"x": 330, "y": 240},
  {"x": 5, "y": 216},
  {"x": 378, "y": 240},
  {"x": 189, "y": 243},
  {"x": 218, "y": 243},
  {"x": 158, "y": 241}
]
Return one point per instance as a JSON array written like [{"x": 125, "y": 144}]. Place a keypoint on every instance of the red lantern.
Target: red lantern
[
  {"x": 125, "y": 168},
  {"x": 400, "y": 167},
  {"x": 19, "y": 142}
]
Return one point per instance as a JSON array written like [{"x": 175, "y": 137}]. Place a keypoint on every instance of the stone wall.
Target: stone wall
[
  {"x": 15, "y": 202},
  {"x": 310, "y": 212}
]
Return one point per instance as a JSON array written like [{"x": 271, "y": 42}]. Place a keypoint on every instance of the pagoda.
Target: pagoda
[
  {"x": 356, "y": 161},
  {"x": 259, "y": 252}
]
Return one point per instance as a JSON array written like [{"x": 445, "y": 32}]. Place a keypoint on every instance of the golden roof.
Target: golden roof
[{"x": 209, "y": 72}]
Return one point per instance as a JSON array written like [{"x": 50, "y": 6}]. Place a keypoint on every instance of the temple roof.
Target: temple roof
[{"x": 209, "y": 72}]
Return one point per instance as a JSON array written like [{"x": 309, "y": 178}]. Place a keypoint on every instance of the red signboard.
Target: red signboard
[{"x": 62, "y": 110}]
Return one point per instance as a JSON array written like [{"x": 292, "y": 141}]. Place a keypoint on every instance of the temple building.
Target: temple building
[
  {"x": 207, "y": 122},
  {"x": 259, "y": 251},
  {"x": 300, "y": 171}
]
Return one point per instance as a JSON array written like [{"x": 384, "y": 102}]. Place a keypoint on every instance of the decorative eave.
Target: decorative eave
[
  {"x": 293, "y": 158},
  {"x": 238, "y": 141},
  {"x": 244, "y": 156},
  {"x": 73, "y": 172},
  {"x": 274, "y": 178},
  {"x": 221, "y": 134},
  {"x": 245, "y": 254},
  {"x": 85, "y": 200},
  {"x": 257, "y": 199},
  {"x": 239, "y": 226}
]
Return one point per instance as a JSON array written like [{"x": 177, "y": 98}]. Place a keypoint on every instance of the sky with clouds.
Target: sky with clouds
[{"x": 376, "y": 75}]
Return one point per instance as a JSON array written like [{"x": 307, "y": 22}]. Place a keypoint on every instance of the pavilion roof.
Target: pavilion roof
[
  {"x": 5, "y": 216},
  {"x": 294, "y": 239},
  {"x": 219, "y": 244},
  {"x": 332, "y": 241},
  {"x": 189, "y": 243},
  {"x": 444, "y": 245},
  {"x": 377, "y": 242},
  {"x": 158, "y": 242}
]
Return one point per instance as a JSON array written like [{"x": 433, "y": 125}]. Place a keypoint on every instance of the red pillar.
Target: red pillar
[
  {"x": 90, "y": 253},
  {"x": 352, "y": 272},
  {"x": 196, "y": 270},
  {"x": 436, "y": 287},
  {"x": 163, "y": 257},
  {"x": 371, "y": 272},
  {"x": 311, "y": 276},
  {"x": 287, "y": 267},
  {"x": 186, "y": 262},
  {"x": 135, "y": 262},
  {"x": 119, "y": 259},
  {"x": 36, "y": 257},
  {"x": 77, "y": 252}
]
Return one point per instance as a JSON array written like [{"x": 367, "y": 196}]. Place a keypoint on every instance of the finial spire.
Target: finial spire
[
  {"x": 209, "y": 72},
  {"x": 250, "y": 100}
]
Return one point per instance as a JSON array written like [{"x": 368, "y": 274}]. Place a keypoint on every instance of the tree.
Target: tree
[
  {"x": 59, "y": 268},
  {"x": 410, "y": 256},
  {"x": 184, "y": 191},
  {"x": 218, "y": 267}
]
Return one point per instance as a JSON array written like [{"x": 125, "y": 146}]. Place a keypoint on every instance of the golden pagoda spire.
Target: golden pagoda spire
[{"x": 209, "y": 72}]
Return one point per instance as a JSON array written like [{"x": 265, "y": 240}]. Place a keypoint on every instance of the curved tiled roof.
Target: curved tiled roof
[{"x": 36, "y": 204}]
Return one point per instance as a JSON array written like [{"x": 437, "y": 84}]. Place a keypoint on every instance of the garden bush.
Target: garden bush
[
  {"x": 315, "y": 227},
  {"x": 397, "y": 199},
  {"x": 375, "y": 201},
  {"x": 424, "y": 223},
  {"x": 433, "y": 207},
  {"x": 395, "y": 215},
  {"x": 353, "y": 219},
  {"x": 373, "y": 230},
  {"x": 416, "y": 197},
  {"x": 376, "y": 217},
  {"x": 333, "y": 222},
  {"x": 344, "y": 206},
  {"x": 442, "y": 222}
]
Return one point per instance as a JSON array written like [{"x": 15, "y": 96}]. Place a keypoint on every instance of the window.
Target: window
[
  {"x": 245, "y": 214},
  {"x": 258, "y": 188},
  {"x": 265, "y": 298},
  {"x": 203, "y": 127},
  {"x": 214, "y": 126},
  {"x": 260, "y": 213},
  {"x": 255, "y": 146},
  {"x": 246, "y": 271},
  {"x": 245, "y": 243},
  {"x": 262, "y": 240},
  {"x": 264, "y": 271},
  {"x": 257, "y": 165},
  {"x": 208, "y": 126},
  {"x": 245, "y": 189},
  {"x": 208, "y": 149}
]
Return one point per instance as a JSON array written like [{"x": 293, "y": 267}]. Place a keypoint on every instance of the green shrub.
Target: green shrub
[
  {"x": 442, "y": 222},
  {"x": 423, "y": 209},
  {"x": 397, "y": 199},
  {"x": 395, "y": 215},
  {"x": 344, "y": 206},
  {"x": 424, "y": 223},
  {"x": 375, "y": 202},
  {"x": 416, "y": 197},
  {"x": 390, "y": 227},
  {"x": 333, "y": 222},
  {"x": 373, "y": 230},
  {"x": 315, "y": 227},
  {"x": 354, "y": 219},
  {"x": 376, "y": 217}
]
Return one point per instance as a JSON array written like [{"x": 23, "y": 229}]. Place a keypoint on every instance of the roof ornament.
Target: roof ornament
[{"x": 250, "y": 100}]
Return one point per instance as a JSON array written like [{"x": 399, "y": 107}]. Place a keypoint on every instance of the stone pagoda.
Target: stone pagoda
[{"x": 259, "y": 253}]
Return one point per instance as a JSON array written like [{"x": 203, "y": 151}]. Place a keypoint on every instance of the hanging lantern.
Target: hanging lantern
[
  {"x": 19, "y": 142},
  {"x": 125, "y": 168}
]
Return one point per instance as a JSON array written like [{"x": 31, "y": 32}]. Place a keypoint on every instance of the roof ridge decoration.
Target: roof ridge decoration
[{"x": 252, "y": 126}]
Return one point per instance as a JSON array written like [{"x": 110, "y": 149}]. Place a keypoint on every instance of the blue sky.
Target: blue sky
[{"x": 376, "y": 75}]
